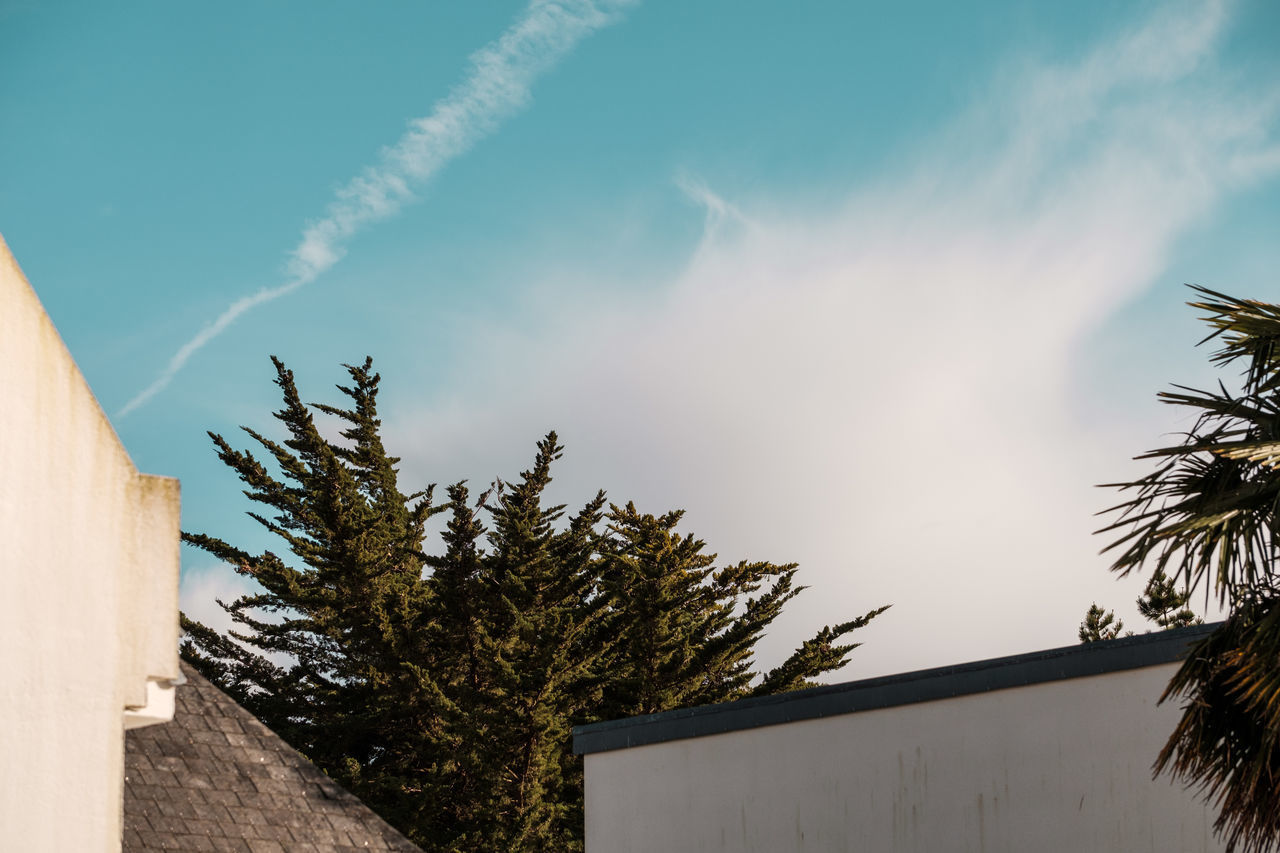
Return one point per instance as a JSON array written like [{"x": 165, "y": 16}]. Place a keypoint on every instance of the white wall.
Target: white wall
[
  {"x": 1056, "y": 766},
  {"x": 88, "y": 591}
]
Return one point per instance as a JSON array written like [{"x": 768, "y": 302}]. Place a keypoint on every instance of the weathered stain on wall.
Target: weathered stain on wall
[{"x": 88, "y": 591}]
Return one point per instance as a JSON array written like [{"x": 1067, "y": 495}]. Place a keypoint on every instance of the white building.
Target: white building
[
  {"x": 88, "y": 592},
  {"x": 1048, "y": 751}
]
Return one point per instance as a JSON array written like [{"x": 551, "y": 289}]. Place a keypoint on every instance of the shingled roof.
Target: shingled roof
[{"x": 217, "y": 779}]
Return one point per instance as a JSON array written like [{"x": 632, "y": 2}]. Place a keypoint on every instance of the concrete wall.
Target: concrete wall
[
  {"x": 1057, "y": 766},
  {"x": 88, "y": 591}
]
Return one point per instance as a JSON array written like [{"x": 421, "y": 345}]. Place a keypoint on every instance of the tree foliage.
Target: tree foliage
[
  {"x": 1100, "y": 624},
  {"x": 442, "y": 688},
  {"x": 1163, "y": 604},
  {"x": 1160, "y": 602},
  {"x": 1209, "y": 512}
]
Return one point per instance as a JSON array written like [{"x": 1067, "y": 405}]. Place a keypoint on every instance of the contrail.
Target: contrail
[{"x": 497, "y": 86}]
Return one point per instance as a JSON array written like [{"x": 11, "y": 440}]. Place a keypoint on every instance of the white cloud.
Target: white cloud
[
  {"x": 497, "y": 86},
  {"x": 883, "y": 392},
  {"x": 203, "y": 587}
]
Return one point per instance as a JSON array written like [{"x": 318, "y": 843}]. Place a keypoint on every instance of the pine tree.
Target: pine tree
[
  {"x": 688, "y": 629},
  {"x": 1100, "y": 624},
  {"x": 442, "y": 689},
  {"x": 536, "y": 599},
  {"x": 1162, "y": 604},
  {"x": 355, "y": 696}
]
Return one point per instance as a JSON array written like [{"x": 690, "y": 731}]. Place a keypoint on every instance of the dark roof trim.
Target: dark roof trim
[{"x": 887, "y": 691}]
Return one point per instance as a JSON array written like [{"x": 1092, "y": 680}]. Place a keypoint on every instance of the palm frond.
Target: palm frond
[
  {"x": 1225, "y": 745},
  {"x": 1210, "y": 510}
]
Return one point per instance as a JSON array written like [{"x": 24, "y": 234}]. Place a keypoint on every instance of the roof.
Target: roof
[
  {"x": 1085, "y": 659},
  {"x": 215, "y": 778}
]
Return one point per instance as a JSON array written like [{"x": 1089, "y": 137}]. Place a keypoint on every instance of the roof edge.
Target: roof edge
[{"x": 926, "y": 685}]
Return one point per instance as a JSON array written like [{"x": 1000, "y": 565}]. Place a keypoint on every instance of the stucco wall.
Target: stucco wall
[
  {"x": 1057, "y": 766},
  {"x": 89, "y": 602}
]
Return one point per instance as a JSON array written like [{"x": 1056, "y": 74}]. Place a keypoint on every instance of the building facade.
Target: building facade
[
  {"x": 1049, "y": 751},
  {"x": 89, "y": 594}
]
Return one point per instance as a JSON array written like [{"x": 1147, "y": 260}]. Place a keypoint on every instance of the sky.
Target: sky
[{"x": 883, "y": 289}]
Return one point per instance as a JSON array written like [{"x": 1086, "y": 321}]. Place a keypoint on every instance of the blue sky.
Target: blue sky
[{"x": 880, "y": 288}]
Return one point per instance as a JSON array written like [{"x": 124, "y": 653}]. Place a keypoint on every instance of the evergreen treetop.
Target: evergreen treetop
[
  {"x": 1100, "y": 624},
  {"x": 1163, "y": 604},
  {"x": 442, "y": 689}
]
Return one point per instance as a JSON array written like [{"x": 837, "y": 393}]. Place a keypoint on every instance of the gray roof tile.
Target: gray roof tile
[{"x": 216, "y": 779}]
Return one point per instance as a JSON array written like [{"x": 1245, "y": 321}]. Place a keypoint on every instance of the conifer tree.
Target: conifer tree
[
  {"x": 1100, "y": 624},
  {"x": 442, "y": 689},
  {"x": 355, "y": 694},
  {"x": 1162, "y": 604},
  {"x": 537, "y": 605},
  {"x": 688, "y": 630}
]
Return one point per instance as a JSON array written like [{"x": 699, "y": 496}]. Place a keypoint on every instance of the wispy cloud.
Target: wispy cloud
[
  {"x": 203, "y": 587},
  {"x": 719, "y": 211},
  {"x": 887, "y": 391},
  {"x": 497, "y": 86}
]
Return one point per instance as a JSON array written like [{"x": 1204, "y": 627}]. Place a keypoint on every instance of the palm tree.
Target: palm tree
[{"x": 1210, "y": 514}]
